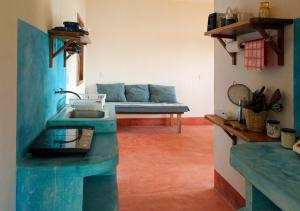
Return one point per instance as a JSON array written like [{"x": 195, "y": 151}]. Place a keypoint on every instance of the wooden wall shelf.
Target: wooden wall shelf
[
  {"x": 234, "y": 133},
  {"x": 68, "y": 38},
  {"x": 259, "y": 25}
]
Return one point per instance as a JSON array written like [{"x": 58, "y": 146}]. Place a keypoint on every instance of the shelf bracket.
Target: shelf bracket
[
  {"x": 232, "y": 137},
  {"x": 277, "y": 48},
  {"x": 65, "y": 57},
  {"x": 69, "y": 55},
  {"x": 51, "y": 40},
  {"x": 232, "y": 55},
  {"x": 67, "y": 44},
  {"x": 63, "y": 48}
]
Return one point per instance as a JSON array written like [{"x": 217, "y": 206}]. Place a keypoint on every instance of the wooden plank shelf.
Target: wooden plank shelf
[
  {"x": 259, "y": 25},
  {"x": 63, "y": 35},
  {"x": 234, "y": 133},
  {"x": 68, "y": 38}
]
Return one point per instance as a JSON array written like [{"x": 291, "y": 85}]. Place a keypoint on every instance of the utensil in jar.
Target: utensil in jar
[
  {"x": 274, "y": 99},
  {"x": 259, "y": 100}
]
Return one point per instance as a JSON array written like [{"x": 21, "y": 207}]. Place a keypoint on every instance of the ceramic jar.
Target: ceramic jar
[
  {"x": 273, "y": 129},
  {"x": 288, "y": 137}
]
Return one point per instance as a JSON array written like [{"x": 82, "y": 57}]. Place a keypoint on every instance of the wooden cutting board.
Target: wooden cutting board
[{"x": 236, "y": 125}]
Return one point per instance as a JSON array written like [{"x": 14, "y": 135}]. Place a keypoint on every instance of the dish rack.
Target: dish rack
[{"x": 94, "y": 102}]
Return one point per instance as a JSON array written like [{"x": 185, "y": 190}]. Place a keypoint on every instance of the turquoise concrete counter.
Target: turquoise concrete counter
[
  {"x": 272, "y": 174},
  {"x": 76, "y": 182},
  {"x": 103, "y": 155}
]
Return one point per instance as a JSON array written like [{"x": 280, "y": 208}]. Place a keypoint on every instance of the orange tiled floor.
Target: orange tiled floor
[{"x": 161, "y": 170}]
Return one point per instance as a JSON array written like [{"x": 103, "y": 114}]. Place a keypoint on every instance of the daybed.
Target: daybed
[{"x": 144, "y": 99}]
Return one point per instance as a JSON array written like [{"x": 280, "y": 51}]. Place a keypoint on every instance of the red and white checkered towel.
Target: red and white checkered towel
[{"x": 255, "y": 56}]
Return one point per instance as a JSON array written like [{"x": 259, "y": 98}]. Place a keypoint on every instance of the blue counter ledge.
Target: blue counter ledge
[
  {"x": 272, "y": 175},
  {"x": 104, "y": 152}
]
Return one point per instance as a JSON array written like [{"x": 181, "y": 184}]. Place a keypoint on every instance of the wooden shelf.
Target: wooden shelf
[
  {"x": 259, "y": 25},
  {"x": 248, "y": 26},
  {"x": 234, "y": 133},
  {"x": 66, "y": 35},
  {"x": 68, "y": 38}
]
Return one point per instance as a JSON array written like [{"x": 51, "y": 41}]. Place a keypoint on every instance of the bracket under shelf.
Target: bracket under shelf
[
  {"x": 68, "y": 38},
  {"x": 61, "y": 49},
  {"x": 278, "y": 47},
  {"x": 232, "y": 137},
  {"x": 232, "y": 55}
]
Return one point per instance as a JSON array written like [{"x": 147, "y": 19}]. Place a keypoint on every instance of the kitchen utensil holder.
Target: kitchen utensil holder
[{"x": 255, "y": 122}]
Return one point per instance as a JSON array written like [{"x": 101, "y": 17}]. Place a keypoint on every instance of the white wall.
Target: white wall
[
  {"x": 153, "y": 41},
  {"x": 272, "y": 77},
  {"x": 7, "y": 107},
  {"x": 43, "y": 14}
]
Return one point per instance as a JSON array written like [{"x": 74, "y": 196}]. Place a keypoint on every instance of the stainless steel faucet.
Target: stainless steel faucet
[{"x": 62, "y": 91}]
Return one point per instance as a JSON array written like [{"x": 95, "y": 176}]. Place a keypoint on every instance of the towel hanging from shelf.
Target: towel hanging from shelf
[{"x": 255, "y": 57}]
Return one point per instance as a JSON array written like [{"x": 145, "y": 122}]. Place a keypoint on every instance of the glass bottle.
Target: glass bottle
[
  {"x": 264, "y": 9},
  {"x": 240, "y": 113}
]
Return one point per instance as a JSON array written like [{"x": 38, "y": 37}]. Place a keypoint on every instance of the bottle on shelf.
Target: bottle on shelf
[{"x": 264, "y": 9}]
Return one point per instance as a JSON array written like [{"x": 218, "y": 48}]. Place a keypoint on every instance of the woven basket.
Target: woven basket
[{"x": 256, "y": 122}]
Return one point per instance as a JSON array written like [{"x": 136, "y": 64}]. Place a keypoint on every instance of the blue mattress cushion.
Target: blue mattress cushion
[
  {"x": 137, "y": 93},
  {"x": 114, "y": 92},
  {"x": 148, "y": 107},
  {"x": 162, "y": 94}
]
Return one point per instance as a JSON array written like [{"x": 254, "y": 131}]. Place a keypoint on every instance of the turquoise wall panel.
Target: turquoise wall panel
[
  {"x": 36, "y": 83},
  {"x": 297, "y": 75}
]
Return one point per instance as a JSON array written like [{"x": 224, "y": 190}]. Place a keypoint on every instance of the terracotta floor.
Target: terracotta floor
[{"x": 161, "y": 170}]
